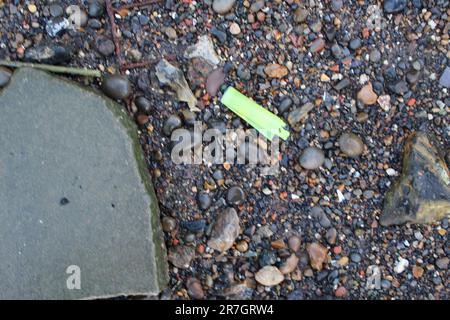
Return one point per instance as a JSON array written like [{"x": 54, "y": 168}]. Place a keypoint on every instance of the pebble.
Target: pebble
[
  {"x": 385, "y": 102},
  {"x": 417, "y": 272},
  {"x": 143, "y": 104},
  {"x": 317, "y": 45},
  {"x": 299, "y": 114},
  {"x": 56, "y": 10},
  {"x": 442, "y": 263},
  {"x": 194, "y": 226},
  {"x": 331, "y": 236},
  {"x": 116, "y": 86},
  {"x": 275, "y": 70},
  {"x": 344, "y": 83},
  {"x": 355, "y": 257},
  {"x": 290, "y": 264},
  {"x": 317, "y": 255},
  {"x": 242, "y": 246},
  {"x": 194, "y": 288},
  {"x": 294, "y": 243},
  {"x": 204, "y": 200},
  {"x": 225, "y": 230},
  {"x": 340, "y": 292},
  {"x": 235, "y": 195},
  {"x": 401, "y": 265},
  {"x": 172, "y": 123},
  {"x": 285, "y": 104},
  {"x": 96, "y": 9},
  {"x": 351, "y": 145},
  {"x": 181, "y": 256},
  {"x": 171, "y": 33},
  {"x": 105, "y": 46},
  {"x": 219, "y": 35},
  {"x": 366, "y": 95},
  {"x": 48, "y": 53},
  {"x": 257, "y": 5},
  {"x": 168, "y": 224},
  {"x": 301, "y": 14},
  {"x": 269, "y": 276},
  {"x": 223, "y": 6},
  {"x": 235, "y": 29},
  {"x": 394, "y": 6},
  {"x": 375, "y": 55},
  {"x": 5, "y": 76},
  {"x": 32, "y": 8},
  {"x": 444, "y": 80},
  {"x": 312, "y": 158},
  {"x": 215, "y": 81}
]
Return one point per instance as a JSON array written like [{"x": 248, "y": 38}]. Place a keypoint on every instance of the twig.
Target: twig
[
  {"x": 137, "y": 5},
  {"x": 109, "y": 10},
  {"x": 56, "y": 69}
]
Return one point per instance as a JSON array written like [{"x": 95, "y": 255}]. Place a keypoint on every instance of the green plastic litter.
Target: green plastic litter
[{"x": 259, "y": 118}]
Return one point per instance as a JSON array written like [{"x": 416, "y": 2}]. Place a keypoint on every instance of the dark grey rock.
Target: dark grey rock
[
  {"x": 116, "y": 86},
  {"x": 422, "y": 193},
  {"x": 48, "y": 53},
  {"x": 60, "y": 141},
  {"x": 235, "y": 195}
]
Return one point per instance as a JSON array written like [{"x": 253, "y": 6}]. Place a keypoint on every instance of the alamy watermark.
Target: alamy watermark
[
  {"x": 73, "y": 281},
  {"x": 214, "y": 146}
]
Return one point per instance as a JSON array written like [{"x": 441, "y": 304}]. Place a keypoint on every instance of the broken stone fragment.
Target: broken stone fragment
[
  {"x": 174, "y": 78},
  {"x": 226, "y": 229},
  {"x": 422, "y": 193},
  {"x": 204, "y": 48},
  {"x": 48, "y": 53}
]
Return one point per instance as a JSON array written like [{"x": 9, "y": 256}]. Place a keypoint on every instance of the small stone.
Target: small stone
[
  {"x": 294, "y": 243},
  {"x": 204, "y": 200},
  {"x": 285, "y": 104},
  {"x": 225, "y": 230},
  {"x": 105, "y": 46},
  {"x": 116, "y": 86},
  {"x": 173, "y": 77},
  {"x": 399, "y": 88},
  {"x": 298, "y": 114},
  {"x": 366, "y": 95},
  {"x": 444, "y": 80},
  {"x": 32, "y": 8},
  {"x": 196, "y": 226},
  {"x": 96, "y": 9},
  {"x": 317, "y": 45},
  {"x": 422, "y": 193},
  {"x": 172, "y": 123},
  {"x": 351, "y": 145},
  {"x": 143, "y": 104},
  {"x": 355, "y": 257},
  {"x": 56, "y": 26},
  {"x": 341, "y": 85},
  {"x": 194, "y": 288},
  {"x": 204, "y": 48},
  {"x": 242, "y": 246},
  {"x": 331, "y": 236},
  {"x": 324, "y": 78},
  {"x": 375, "y": 55},
  {"x": 257, "y": 5},
  {"x": 384, "y": 102},
  {"x": 401, "y": 265},
  {"x": 312, "y": 158},
  {"x": 394, "y": 6},
  {"x": 181, "y": 256},
  {"x": 442, "y": 263},
  {"x": 223, "y": 6},
  {"x": 219, "y": 34},
  {"x": 318, "y": 255},
  {"x": 215, "y": 81},
  {"x": 235, "y": 195},
  {"x": 417, "y": 272},
  {"x": 171, "y": 33},
  {"x": 56, "y": 10},
  {"x": 340, "y": 292},
  {"x": 269, "y": 276},
  {"x": 276, "y": 71},
  {"x": 5, "y": 76},
  {"x": 301, "y": 14},
  {"x": 290, "y": 264},
  {"x": 48, "y": 53},
  {"x": 235, "y": 29},
  {"x": 168, "y": 224}
]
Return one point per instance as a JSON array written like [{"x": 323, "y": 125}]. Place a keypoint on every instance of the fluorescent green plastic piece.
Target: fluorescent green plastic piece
[{"x": 259, "y": 118}]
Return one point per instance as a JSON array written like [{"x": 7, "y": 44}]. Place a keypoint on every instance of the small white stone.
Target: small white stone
[
  {"x": 401, "y": 265},
  {"x": 391, "y": 172}
]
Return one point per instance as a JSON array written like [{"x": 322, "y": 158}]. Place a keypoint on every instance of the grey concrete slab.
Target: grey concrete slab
[{"x": 74, "y": 193}]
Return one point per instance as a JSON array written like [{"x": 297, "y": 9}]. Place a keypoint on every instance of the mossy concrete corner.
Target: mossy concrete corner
[{"x": 79, "y": 216}]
